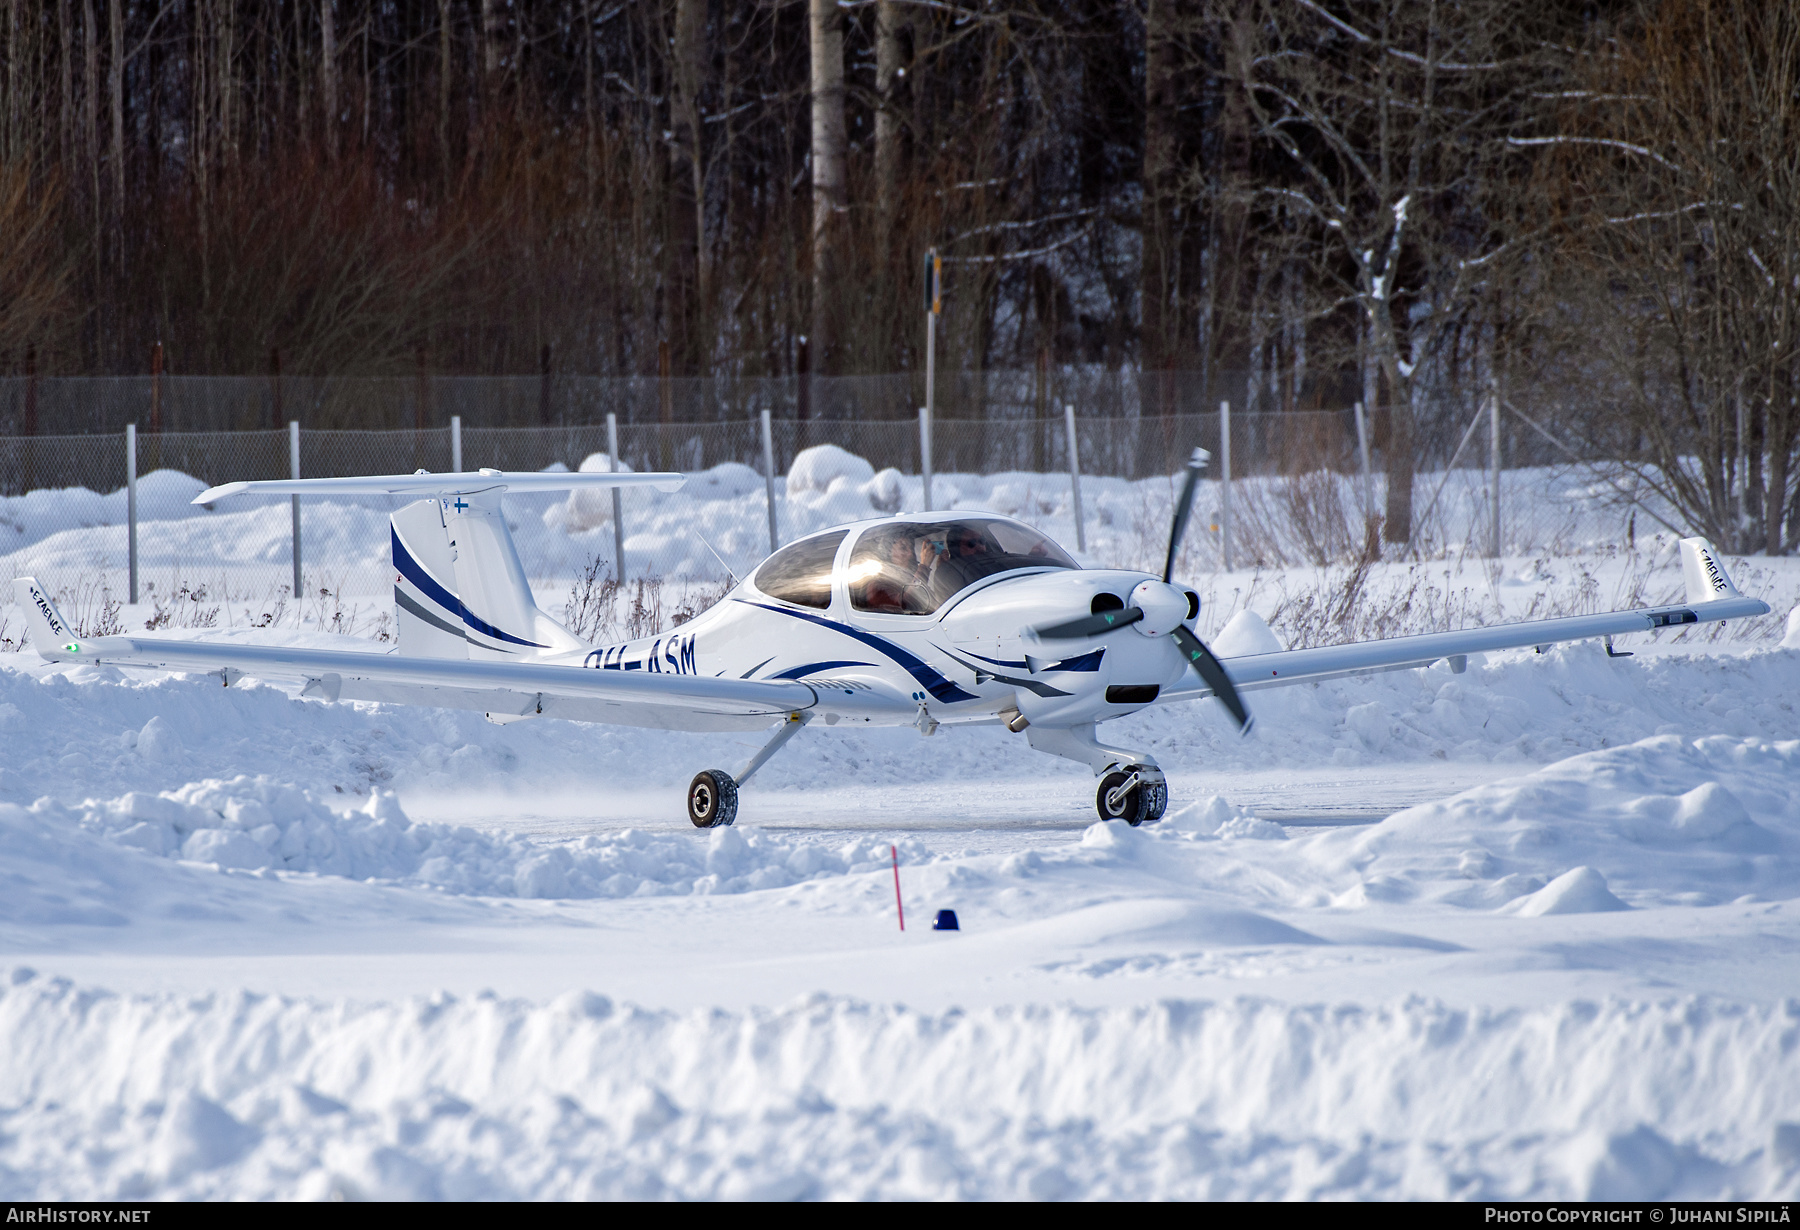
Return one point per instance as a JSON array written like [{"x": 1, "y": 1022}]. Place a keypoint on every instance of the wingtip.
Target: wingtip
[{"x": 214, "y": 494}]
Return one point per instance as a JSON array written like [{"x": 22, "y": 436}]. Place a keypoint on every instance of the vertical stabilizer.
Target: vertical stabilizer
[
  {"x": 500, "y": 617},
  {"x": 1702, "y": 574},
  {"x": 426, "y": 609}
]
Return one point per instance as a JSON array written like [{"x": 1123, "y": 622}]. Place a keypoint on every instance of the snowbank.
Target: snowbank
[
  {"x": 255, "y": 824},
  {"x": 1661, "y": 821},
  {"x": 244, "y": 1096}
]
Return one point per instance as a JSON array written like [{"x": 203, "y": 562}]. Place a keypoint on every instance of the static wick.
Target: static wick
[{"x": 895, "y": 851}]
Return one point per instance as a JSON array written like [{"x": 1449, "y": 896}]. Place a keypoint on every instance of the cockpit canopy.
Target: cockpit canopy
[{"x": 907, "y": 568}]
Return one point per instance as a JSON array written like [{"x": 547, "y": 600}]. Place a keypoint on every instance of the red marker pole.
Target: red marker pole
[{"x": 895, "y": 851}]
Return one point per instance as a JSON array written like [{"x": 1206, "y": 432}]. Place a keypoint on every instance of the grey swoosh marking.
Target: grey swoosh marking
[{"x": 414, "y": 609}]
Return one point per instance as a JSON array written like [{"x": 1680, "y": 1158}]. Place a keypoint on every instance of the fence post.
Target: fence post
[
  {"x": 456, "y": 444},
  {"x": 1075, "y": 480},
  {"x": 294, "y": 500},
  {"x": 1362, "y": 447},
  {"x": 156, "y": 372},
  {"x": 131, "y": 508},
  {"x": 925, "y": 453},
  {"x": 1225, "y": 483},
  {"x": 1494, "y": 463},
  {"x": 768, "y": 445},
  {"x": 612, "y": 464},
  {"x": 544, "y": 387}
]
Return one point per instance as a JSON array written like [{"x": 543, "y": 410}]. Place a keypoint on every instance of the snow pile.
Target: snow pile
[
  {"x": 1661, "y": 821},
  {"x": 1244, "y": 634},
  {"x": 163, "y": 495},
  {"x": 241, "y": 1096},
  {"x": 256, "y": 824},
  {"x": 1216, "y": 818},
  {"x": 824, "y": 466},
  {"x": 586, "y": 508}
]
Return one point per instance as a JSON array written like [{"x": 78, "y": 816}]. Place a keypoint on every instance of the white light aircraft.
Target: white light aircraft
[{"x": 927, "y": 619}]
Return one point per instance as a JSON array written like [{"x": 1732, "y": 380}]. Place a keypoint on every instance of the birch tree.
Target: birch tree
[{"x": 829, "y": 188}]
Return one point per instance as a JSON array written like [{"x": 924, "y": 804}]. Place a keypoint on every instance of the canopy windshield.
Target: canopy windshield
[{"x": 913, "y": 569}]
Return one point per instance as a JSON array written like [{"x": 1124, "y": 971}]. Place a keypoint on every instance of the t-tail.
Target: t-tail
[{"x": 459, "y": 589}]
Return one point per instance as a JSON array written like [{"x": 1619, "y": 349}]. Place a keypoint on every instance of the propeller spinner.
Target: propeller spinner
[{"x": 1157, "y": 609}]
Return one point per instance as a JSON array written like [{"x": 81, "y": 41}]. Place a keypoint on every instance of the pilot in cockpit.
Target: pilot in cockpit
[{"x": 897, "y": 573}]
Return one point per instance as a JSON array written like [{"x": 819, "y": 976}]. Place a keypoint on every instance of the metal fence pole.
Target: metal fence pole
[
  {"x": 1494, "y": 464},
  {"x": 768, "y": 443},
  {"x": 1075, "y": 480},
  {"x": 131, "y": 507},
  {"x": 925, "y": 453},
  {"x": 294, "y": 500},
  {"x": 1225, "y": 483},
  {"x": 456, "y": 444},
  {"x": 1362, "y": 447},
  {"x": 612, "y": 464}
]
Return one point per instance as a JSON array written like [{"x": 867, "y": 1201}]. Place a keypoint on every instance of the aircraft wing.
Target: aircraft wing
[
  {"x": 426, "y": 485},
  {"x": 504, "y": 689},
  {"x": 1274, "y": 670}
]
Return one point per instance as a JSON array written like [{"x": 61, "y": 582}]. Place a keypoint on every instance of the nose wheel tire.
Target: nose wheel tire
[
  {"x": 712, "y": 799},
  {"x": 1136, "y": 794}
]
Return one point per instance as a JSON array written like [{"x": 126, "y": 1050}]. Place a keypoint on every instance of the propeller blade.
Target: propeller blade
[
  {"x": 1208, "y": 668},
  {"x": 1088, "y": 625},
  {"x": 1184, "y": 508}
]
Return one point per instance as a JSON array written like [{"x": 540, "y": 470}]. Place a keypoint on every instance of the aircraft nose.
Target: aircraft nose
[{"x": 1164, "y": 607}]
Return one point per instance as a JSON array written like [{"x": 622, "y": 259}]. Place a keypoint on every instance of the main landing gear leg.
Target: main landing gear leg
[
  {"x": 713, "y": 794},
  {"x": 1132, "y": 787}
]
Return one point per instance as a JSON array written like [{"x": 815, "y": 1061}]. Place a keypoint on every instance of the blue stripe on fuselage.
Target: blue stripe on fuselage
[
  {"x": 1086, "y": 662},
  {"x": 799, "y": 672},
  {"x": 927, "y": 675}
]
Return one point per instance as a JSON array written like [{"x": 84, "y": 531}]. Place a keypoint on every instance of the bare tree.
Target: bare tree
[
  {"x": 1390, "y": 119},
  {"x": 1681, "y": 266},
  {"x": 36, "y": 268}
]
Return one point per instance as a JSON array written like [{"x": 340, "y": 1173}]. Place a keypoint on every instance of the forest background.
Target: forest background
[{"x": 1590, "y": 210}]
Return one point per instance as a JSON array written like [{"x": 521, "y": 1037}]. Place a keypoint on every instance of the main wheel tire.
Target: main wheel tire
[
  {"x": 1143, "y": 803},
  {"x": 712, "y": 799}
]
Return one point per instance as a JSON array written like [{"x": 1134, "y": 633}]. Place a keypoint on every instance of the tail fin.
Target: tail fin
[
  {"x": 1702, "y": 573},
  {"x": 460, "y": 591},
  {"x": 426, "y": 608},
  {"x": 51, "y": 634}
]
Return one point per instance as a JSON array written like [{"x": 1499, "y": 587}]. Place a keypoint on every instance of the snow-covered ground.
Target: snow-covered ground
[{"x": 1528, "y": 931}]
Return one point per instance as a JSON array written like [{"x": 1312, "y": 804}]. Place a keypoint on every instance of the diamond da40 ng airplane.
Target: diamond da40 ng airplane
[{"x": 927, "y": 619}]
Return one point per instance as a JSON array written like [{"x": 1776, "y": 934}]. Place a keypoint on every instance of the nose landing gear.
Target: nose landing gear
[{"x": 1136, "y": 794}]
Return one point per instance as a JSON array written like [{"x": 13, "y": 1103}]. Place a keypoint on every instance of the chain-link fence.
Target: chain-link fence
[{"x": 1299, "y": 494}]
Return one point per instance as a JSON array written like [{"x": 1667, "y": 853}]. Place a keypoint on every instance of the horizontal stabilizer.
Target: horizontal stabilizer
[{"x": 440, "y": 485}]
